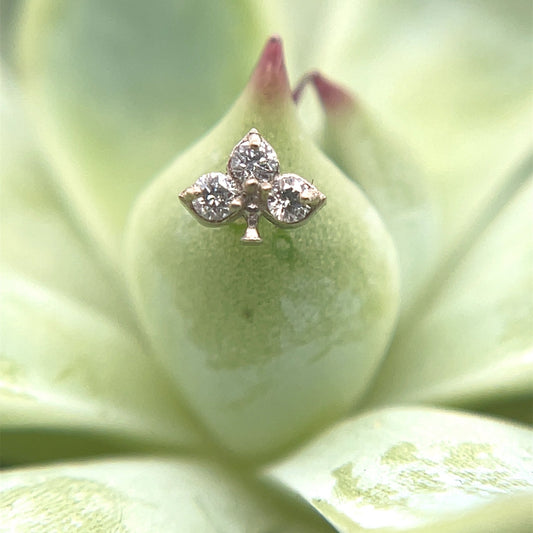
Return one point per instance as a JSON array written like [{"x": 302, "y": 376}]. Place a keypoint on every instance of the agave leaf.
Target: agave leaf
[
  {"x": 254, "y": 336},
  {"x": 141, "y": 496},
  {"x": 410, "y": 469}
]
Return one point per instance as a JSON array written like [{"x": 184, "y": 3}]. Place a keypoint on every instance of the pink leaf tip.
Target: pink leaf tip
[
  {"x": 270, "y": 77},
  {"x": 333, "y": 97}
]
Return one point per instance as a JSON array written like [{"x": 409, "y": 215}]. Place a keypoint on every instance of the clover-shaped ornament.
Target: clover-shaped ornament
[{"x": 252, "y": 187}]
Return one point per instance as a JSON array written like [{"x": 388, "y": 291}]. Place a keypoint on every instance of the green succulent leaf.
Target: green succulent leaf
[
  {"x": 408, "y": 468},
  {"x": 110, "y": 325},
  {"x": 270, "y": 342},
  {"x": 141, "y": 496},
  {"x": 67, "y": 331},
  {"x": 116, "y": 88},
  {"x": 354, "y": 139},
  {"x": 453, "y": 79},
  {"x": 41, "y": 237},
  {"x": 474, "y": 343},
  {"x": 63, "y": 368}
]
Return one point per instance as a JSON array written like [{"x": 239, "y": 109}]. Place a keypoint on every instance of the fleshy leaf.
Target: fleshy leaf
[
  {"x": 452, "y": 78},
  {"x": 354, "y": 139},
  {"x": 8, "y": 25},
  {"x": 270, "y": 342},
  {"x": 474, "y": 344},
  {"x": 41, "y": 237},
  {"x": 116, "y": 88},
  {"x": 68, "y": 333},
  {"x": 142, "y": 496},
  {"x": 65, "y": 367},
  {"x": 401, "y": 469}
]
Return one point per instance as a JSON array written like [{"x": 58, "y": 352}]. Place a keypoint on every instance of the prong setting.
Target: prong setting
[
  {"x": 235, "y": 205},
  {"x": 265, "y": 191},
  {"x": 312, "y": 197},
  {"x": 189, "y": 194},
  {"x": 251, "y": 188},
  {"x": 254, "y": 138}
]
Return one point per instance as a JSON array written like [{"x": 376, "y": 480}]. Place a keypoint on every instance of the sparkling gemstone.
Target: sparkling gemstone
[
  {"x": 255, "y": 159},
  {"x": 284, "y": 200},
  {"x": 218, "y": 191}
]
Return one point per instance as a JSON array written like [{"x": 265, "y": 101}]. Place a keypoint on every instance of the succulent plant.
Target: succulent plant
[{"x": 369, "y": 370}]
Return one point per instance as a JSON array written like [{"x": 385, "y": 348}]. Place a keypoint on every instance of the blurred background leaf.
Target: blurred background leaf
[
  {"x": 475, "y": 338},
  {"x": 452, "y": 79},
  {"x": 381, "y": 166},
  {"x": 67, "y": 328},
  {"x": 118, "y": 88}
]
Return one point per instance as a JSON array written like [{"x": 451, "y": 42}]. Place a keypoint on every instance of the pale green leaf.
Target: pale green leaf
[
  {"x": 406, "y": 468},
  {"x": 474, "y": 343},
  {"x": 453, "y": 79},
  {"x": 9, "y": 10},
  {"x": 41, "y": 237},
  {"x": 117, "y": 88},
  {"x": 71, "y": 358},
  {"x": 142, "y": 496},
  {"x": 268, "y": 342},
  {"x": 383, "y": 168},
  {"x": 66, "y": 367}
]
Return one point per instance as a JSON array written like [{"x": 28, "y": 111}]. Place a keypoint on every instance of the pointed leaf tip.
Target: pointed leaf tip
[
  {"x": 270, "y": 78},
  {"x": 333, "y": 97}
]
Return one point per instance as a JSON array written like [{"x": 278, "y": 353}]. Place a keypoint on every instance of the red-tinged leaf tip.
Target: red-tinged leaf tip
[
  {"x": 270, "y": 78},
  {"x": 302, "y": 84},
  {"x": 333, "y": 97}
]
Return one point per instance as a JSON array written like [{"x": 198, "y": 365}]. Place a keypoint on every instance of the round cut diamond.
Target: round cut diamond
[
  {"x": 218, "y": 191},
  {"x": 253, "y": 158},
  {"x": 284, "y": 201}
]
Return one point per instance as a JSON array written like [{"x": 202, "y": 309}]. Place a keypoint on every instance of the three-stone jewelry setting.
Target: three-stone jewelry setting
[{"x": 252, "y": 187}]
